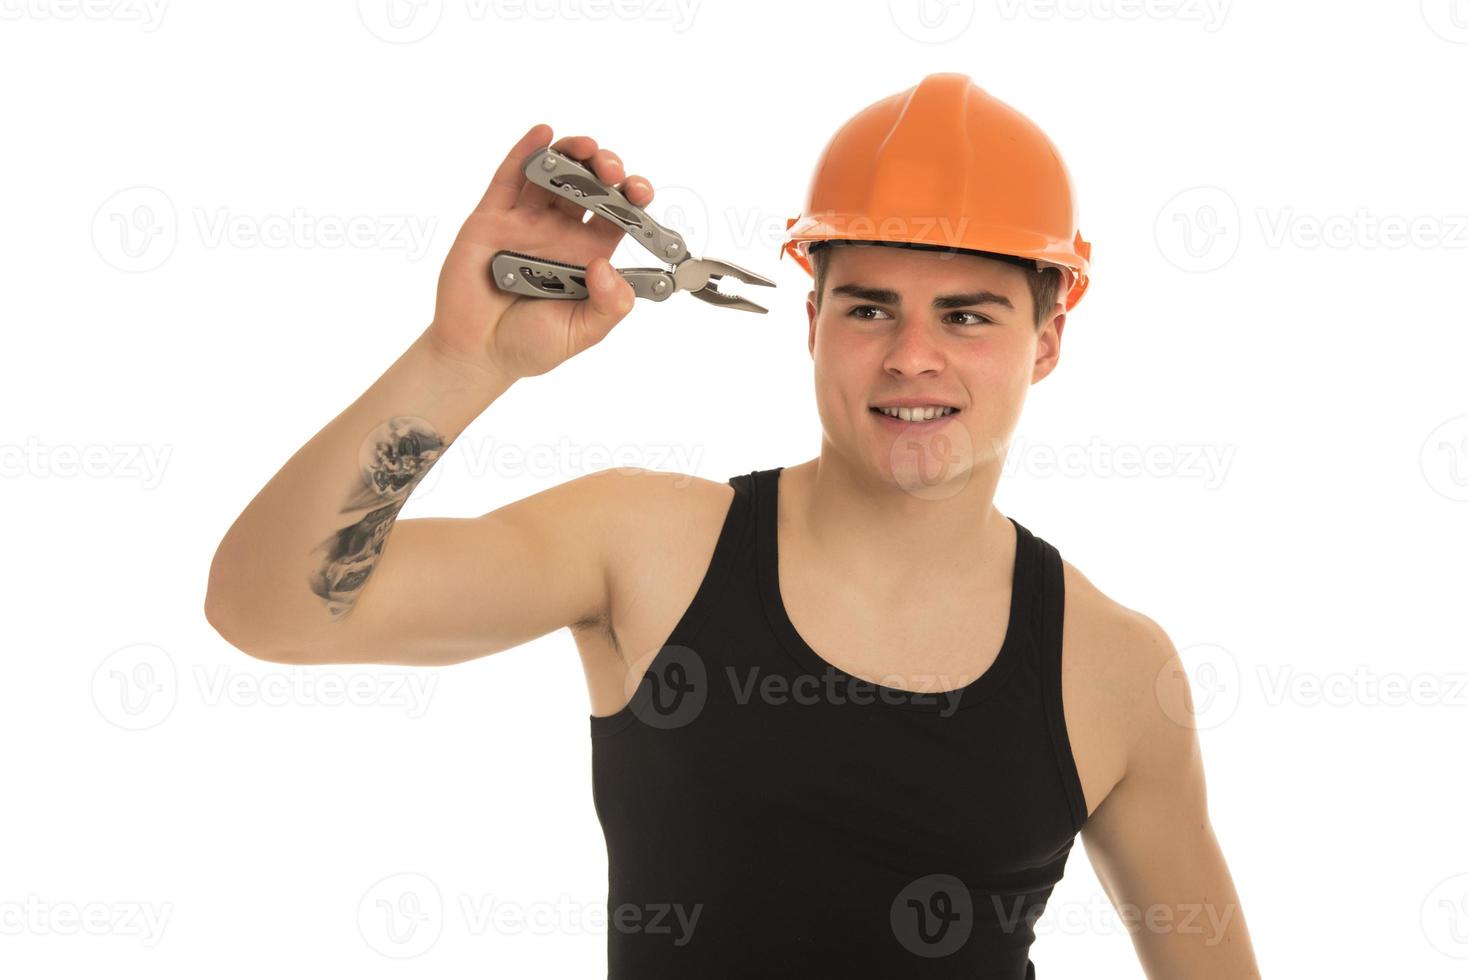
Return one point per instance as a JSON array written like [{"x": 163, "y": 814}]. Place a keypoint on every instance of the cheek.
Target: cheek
[{"x": 844, "y": 358}]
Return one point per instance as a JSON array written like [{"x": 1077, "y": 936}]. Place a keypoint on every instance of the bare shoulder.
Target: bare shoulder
[
  {"x": 1116, "y": 664},
  {"x": 1111, "y": 640},
  {"x": 649, "y": 514},
  {"x": 665, "y": 530},
  {"x": 659, "y": 530}
]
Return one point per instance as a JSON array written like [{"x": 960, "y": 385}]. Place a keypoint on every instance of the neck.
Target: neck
[{"x": 897, "y": 532}]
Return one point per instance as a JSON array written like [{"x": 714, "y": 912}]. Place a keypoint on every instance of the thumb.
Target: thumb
[{"x": 610, "y": 299}]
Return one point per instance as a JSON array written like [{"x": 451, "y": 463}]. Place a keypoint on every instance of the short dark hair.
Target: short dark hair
[{"x": 1044, "y": 283}]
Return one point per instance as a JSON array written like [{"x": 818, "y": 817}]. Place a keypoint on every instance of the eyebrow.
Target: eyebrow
[{"x": 890, "y": 297}]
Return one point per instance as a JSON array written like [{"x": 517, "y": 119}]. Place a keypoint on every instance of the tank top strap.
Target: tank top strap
[
  {"x": 763, "y": 482},
  {"x": 1047, "y": 621}
]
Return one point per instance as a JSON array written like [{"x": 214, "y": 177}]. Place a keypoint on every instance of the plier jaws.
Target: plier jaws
[{"x": 695, "y": 275}]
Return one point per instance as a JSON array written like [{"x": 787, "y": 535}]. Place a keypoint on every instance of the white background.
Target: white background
[{"x": 1257, "y": 328}]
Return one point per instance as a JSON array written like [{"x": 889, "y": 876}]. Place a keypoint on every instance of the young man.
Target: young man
[{"x": 848, "y": 719}]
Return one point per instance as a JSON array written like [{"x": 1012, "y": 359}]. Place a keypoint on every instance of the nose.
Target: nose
[{"x": 914, "y": 351}]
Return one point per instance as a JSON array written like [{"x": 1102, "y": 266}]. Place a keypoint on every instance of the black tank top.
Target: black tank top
[{"x": 769, "y": 815}]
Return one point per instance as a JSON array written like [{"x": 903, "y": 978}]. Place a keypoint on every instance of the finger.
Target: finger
[
  {"x": 575, "y": 147},
  {"x": 509, "y": 178},
  {"x": 610, "y": 299},
  {"x": 638, "y": 190}
]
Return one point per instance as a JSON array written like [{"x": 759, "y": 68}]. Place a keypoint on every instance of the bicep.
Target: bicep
[
  {"x": 446, "y": 590},
  {"x": 1151, "y": 842}
]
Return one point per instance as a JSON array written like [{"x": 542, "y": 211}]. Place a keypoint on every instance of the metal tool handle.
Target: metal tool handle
[
  {"x": 562, "y": 175},
  {"x": 526, "y": 275}
]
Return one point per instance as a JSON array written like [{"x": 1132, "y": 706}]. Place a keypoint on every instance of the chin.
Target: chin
[{"x": 925, "y": 468}]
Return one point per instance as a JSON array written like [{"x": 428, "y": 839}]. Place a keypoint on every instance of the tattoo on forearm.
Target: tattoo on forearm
[{"x": 393, "y": 459}]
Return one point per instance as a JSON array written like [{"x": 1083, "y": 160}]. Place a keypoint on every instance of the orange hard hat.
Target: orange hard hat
[{"x": 945, "y": 164}]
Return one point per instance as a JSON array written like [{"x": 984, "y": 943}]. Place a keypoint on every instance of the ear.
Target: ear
[
  {"x": 810, "y": 313},
  {"x": 1047, "y": 343}
]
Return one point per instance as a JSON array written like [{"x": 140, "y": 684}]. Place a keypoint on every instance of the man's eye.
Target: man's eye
[{"x": 975, "y": 319}]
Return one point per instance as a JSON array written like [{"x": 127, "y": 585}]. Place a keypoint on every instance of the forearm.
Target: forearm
[{"x": 295, "y": 561}]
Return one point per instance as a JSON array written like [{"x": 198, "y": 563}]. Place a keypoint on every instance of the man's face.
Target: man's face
[{"x": 944, "y": 328}]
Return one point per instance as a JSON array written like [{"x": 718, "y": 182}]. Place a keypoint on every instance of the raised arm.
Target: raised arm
[
  {"x": 318, "y": 569},
  {"x": 1151, "y": 842}
]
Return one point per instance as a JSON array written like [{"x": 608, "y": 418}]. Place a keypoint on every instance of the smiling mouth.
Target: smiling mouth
[{"x": 914, "y": 415}]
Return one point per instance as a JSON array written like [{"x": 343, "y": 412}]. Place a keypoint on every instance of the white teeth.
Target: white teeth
[{"x": 917, "y": 414}]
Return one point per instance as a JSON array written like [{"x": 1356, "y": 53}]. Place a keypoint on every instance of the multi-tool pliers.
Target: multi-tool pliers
[{"x": 529, "y": 275}]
